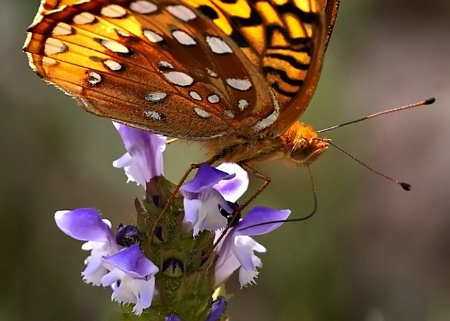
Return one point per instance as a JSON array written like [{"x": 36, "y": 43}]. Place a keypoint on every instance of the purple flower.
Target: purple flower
[
  {"x": 217, "y": 309},
  {"x": 135, "y": 275},
  {"x": 131, "y": 273},
  {"x": 143, "y": 159},
  {"x": 85, "y": 224},
  {"x": 117, "y": 260},
  {"x": 209, "y": 191},
  {"x": 237, "y": 248}
]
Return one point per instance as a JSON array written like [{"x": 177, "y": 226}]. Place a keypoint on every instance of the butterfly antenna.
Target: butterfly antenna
[
  {"x": 304, "y": 218},
  {"x": 425, "y": 102},
  {"x": 405, "y": 186}
]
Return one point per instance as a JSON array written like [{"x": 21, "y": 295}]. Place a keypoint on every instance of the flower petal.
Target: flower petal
[
  {"x": 137, "y": 291},
  {"x": 261, "y": 215},
  {"x": 144, "y": 290},
  {"x": 206, "y": 177},
  {"x": 84, "y": 224},
  {"x": 225, "y": 266},
  {"x": 94, "y": 271},
  {"x": 217, "y": 309},
  {"x": 247, "y": 277},
  {"x": 235, "y": 187},
  {"x": 243, "y": 248},
  {"x": 132, "y": 261},
  {"x": 143, "y": 159},
  {"x": 204, "y": 213}
]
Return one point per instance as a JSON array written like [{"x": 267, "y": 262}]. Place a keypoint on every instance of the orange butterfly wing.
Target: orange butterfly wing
[{"x": 163, "y": 66}]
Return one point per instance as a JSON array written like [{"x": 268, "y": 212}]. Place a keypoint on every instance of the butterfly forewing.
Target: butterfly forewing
[{"x": 194, "y": 69}]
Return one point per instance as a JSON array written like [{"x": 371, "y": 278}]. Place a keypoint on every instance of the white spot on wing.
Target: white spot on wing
[
  {"x": 144, "y": 7},
  {"x": 266, "y": 122},
  {"x": 114, "y": 46},
  {"x": 84, "y": 18},
  {"x": 112, "y": 65},
  {"x": 239, "y": 84},
  {"x": 165, "y": 64},
  {"x": 269, "y": 120},
  {"x": 212, "y": 73},
  {"x": 182, "y": 12},
  {"x": 201, "y": 113},
  {"x": 195, "y": 95},
  {"x": 229, "y": 114},
  {"x": 62, "y": 29},
  {"x": 54, "y": 46},
  {"x": 122, "y": 33},
  {"x": 183, "y": 38},
  {"x": 94, "y": 78},
  {"x": 156, "y": 96},
  {"x": 152, "y": 36},
  {"x": 213, "y": 99},
  {"x": 179, "y": 78},
  {"x": 243, "y": 104},
  {"x": 218, "y": 45},
  {"x": 113, "y": 11},
  {"x": 48, "y": 61},
  {"x": 153, "y": 114}
]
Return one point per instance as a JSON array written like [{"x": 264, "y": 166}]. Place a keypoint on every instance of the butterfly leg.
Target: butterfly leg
[
  {"x": 171, "y": 141},
  {"x": 266, "y": 181}
]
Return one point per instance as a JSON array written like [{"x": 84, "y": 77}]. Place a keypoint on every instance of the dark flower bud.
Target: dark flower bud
[
  {"x": 127, "y": 235},
  {"x": 173, "y": 267}
]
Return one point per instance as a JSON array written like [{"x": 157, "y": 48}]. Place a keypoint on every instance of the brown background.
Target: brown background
[{"x": 371, "y": 253}]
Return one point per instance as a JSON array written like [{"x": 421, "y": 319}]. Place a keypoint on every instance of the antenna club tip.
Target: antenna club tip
[
  {"x": 429, "y": 101},
  {"x": 405, "y": 186}
]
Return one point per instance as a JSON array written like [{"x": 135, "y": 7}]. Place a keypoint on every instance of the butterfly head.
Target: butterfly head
[{"x": 302, "y": 144}]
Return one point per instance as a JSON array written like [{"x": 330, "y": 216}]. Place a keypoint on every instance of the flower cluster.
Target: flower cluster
[{"x": 118, "y": 260}]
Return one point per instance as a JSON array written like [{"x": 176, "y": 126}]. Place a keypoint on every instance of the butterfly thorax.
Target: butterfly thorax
[{"x": 299, "y": 144}]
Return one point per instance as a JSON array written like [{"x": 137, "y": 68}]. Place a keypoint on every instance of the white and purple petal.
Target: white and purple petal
[
  {"x": 237, "y": 248},
  {"x": 132, "y": 261},
  {"x": 143, "y": 159},
  {"x": 243, "y": 248},
  {"x": 95, "y": 269},
  {"x": 247, "y": 277},
  {"x": 136, "y": 291},
  {"x": 205, "y": 178},
  {"x": 204, "y": 213},
  {"x": 232, "y": 189},
  {"x": 136, "y": 275},
  {"x": 202, "y": 202},
  {"x": 225, "y": 265},
  {"x": 259, "y": 220},
  {"x": 84, "y": 224}
]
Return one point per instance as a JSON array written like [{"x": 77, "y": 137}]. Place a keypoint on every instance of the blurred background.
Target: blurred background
[{"x": 372, "y": 252}]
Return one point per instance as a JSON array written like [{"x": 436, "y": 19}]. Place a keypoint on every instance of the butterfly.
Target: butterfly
[{"x": 234, "y": 75}]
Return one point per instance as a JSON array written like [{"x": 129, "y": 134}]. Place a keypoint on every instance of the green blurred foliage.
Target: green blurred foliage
[{"x": 372, "y": 252}]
